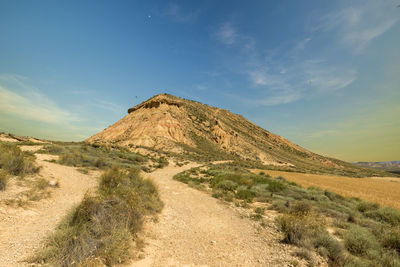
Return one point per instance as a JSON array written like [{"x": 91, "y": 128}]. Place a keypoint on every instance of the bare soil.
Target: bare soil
[{"x": 23, "y": 229}]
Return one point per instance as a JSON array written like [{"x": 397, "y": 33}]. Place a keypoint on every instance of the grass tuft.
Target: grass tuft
[
  {"x": 102, "y": 228},
  {"x": 16, "y": 162}
]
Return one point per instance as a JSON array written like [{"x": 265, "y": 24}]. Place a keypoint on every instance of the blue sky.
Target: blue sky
[{"x": 324, "y": 74}]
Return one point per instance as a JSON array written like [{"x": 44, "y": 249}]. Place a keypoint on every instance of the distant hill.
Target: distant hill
[
  {"x": 188, "y": 128},
  {"x": 389, "y": 166}
]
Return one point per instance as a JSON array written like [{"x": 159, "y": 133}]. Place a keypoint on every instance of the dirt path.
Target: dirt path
[
  {"x": 195, "y": 229},
  {"x": 22, "y": 230}
]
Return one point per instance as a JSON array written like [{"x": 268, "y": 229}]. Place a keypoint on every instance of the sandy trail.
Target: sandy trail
[
  {"x": 195, "y": 229},
  {"x": 22, "y": 230}
]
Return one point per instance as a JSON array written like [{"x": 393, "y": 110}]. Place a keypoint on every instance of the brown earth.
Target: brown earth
[{"x": 23, "y": 229}]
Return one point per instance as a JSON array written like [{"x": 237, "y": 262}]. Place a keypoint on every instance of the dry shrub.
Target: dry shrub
[
  {"x": 102, "y": 228},
  {"x": 15, "y": 161},
  {"x": 359, "y": 241}
]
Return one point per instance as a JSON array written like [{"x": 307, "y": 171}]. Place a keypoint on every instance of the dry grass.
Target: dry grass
[
  {"x": 101, "y": 230},
  {"x": 384, "y": 191}
]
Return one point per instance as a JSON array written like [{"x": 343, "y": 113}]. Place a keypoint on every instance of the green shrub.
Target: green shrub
[
  {"x": 333, "y": 249},
  {"x": 391, "y": 238},
  {"x": 298, "y": 230},
  {"x": 53, "y": 149},
  {"x": 389, "y": 259},
  {"x": 259, "y": 210},
  {"x": 244, "y": 193},
  {"x": 306, "y": 254},
  {"x": 227, "y": 185},
  {"x": 275, "y": 186},
  {"x": 367, "y": 206},
  {"x": 15, "y": 161},
  {"x": 301, "y": 208},
  {"x": 103, "y": 226},
  {"x": 359, "y": 241},
  {"x": 386, "y": 214},
  {"x": 3, "y": 180}
]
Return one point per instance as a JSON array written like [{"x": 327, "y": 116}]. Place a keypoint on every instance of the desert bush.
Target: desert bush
[
  {"x": 306, "y": 254},
  {"x": 367, "y": 206},
  {"x": 227, "y": 185},
  {"x": 389, "y": 259},
  {"x": 244, "y": 193},
  {"x": 53, "y": 149},
  {"x": 275, "y": 186},
  {"x": 3, "y": 180},
  {"x": 298, "y": 230},
  {"x": 15, "y": 161},
  {"x": 359, "y": 241},
  {"x": 259, "y": 210},
  {"x": 391, "y": 238},
  {"x": 301, "y": 208},
  {"x": 333, "y": 249},
  {"x": 386, "y": 215},
  {"x": 103, "y": 225}
]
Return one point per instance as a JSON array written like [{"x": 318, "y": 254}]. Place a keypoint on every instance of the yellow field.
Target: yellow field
[{"x": 383, "y": 190}]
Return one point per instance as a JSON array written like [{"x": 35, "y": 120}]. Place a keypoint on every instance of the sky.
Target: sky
[{"x": 323, "y": 74}]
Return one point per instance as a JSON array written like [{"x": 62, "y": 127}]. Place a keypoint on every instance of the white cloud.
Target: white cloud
[
  {"x": 177, "y": 13},
  {"x": 302, "y": 44},
  {"x": 106, "y": 105},
  {"x": 226, "y": 34},
  {"x": 278, "y": 98},
  {"x": 357, "y": 25},
  {"x": 30, "y": 103},
  {"x": 323, "y": 77}
]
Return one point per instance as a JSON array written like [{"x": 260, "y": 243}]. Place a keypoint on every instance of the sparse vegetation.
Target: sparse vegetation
[
  {"x": 16, "y": 162},
  {"x": 102, "y": 229},
  {"x": 85, "y": 155},
  {"x": 379, "y": 190},
  {"x": 368, "y": 233}
]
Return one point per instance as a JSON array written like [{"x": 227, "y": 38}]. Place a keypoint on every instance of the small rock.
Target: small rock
[
  {"x": 213, "y": 242},
  {"x": 53, "y": 183}
]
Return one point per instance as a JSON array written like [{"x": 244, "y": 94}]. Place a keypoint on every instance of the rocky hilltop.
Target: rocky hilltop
[{"x": 169, "y": 123}]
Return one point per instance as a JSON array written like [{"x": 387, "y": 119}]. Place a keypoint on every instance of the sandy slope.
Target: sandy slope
[
  {"x": 22, "y": 230},
  {"x": 197, "y": 230}
]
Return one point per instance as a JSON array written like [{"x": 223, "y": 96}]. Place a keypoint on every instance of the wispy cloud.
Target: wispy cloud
[
  {"x": 357, "y": 25},
  {"x": 29, "y": 103},
  {"x": 106, "y": 105},
  {"x": 178, "y": 14},
  {"x": 226, "y": 34},
  {"x": 324, "y": 77},
  {"x": 302, "y": 43}
]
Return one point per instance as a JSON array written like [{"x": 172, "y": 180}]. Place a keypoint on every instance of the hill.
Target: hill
[
  {"x": 189, "y": 129},
  {"x": 388, "y": 166}
]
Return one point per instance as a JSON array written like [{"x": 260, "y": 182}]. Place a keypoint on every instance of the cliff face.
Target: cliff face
[{"x": 174, "y": 124}]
